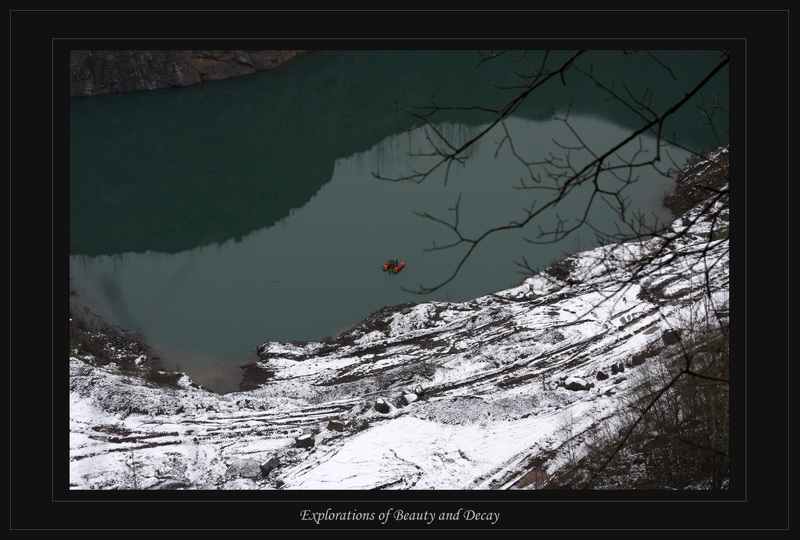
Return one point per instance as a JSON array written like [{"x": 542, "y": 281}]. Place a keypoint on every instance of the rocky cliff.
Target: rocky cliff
[{"x": 94, "y": 73}]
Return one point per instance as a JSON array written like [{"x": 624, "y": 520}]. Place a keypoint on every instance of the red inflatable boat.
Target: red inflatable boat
[{"x": 393, "y": 265}]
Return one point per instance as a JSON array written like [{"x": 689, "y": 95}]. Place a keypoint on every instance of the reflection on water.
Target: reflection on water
[
  {"x": 213, "y": 218},
  {"x": 317, "y": 270}
]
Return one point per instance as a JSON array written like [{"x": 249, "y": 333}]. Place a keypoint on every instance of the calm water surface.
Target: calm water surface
[{"x": 214, "y": 218}]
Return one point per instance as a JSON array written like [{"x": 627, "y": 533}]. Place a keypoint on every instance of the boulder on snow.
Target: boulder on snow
[
  {"x": 304, "y": 441},
  {"x": 334, "y": 425},
  {"x": 408, "y": 398},
  {"x": 576, "y": 383},
  {"x": 601, "y": 376},
  {"x": 381, "y": 406},
  {"x": 269, "y": 465}
]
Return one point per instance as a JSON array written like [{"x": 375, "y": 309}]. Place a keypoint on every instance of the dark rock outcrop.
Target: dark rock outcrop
[
  {"x": 94, "y": 73},
  {"x": 697, "y": 182}
]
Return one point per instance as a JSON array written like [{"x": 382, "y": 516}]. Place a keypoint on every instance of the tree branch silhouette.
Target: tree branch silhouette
[{"x": 561, "y": 170}]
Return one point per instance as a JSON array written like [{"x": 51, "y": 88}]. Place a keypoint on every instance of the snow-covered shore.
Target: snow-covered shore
[{"x": 497, "y": 393}]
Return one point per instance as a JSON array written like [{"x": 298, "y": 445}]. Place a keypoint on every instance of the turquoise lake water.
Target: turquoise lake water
[{"x": 213, "y": 218}]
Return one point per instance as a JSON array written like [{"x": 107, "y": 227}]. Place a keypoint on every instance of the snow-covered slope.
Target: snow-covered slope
[{"x": 494, "y": 393}]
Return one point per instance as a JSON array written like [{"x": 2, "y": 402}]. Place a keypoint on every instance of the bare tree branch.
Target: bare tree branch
[{"x": 561, "y": 170}]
